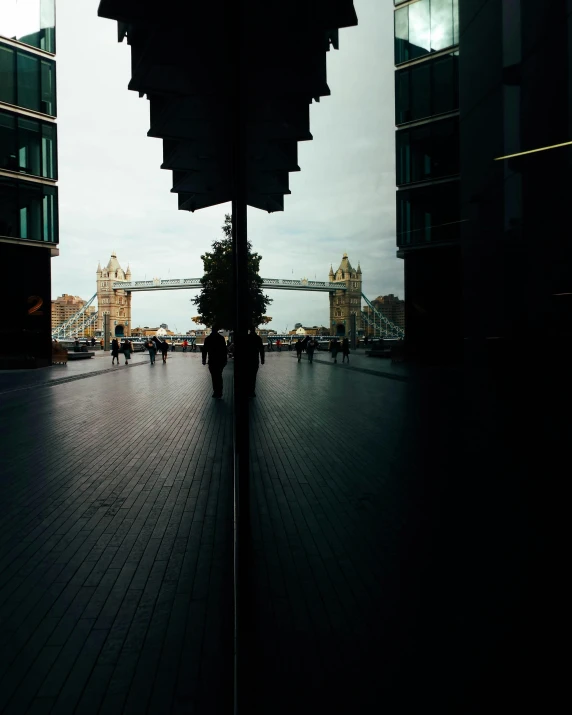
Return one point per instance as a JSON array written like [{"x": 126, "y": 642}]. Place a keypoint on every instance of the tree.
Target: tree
[
  {"x": 266, "y": 319},
  {"x": 197, "y": 320},
  {"x": 216, "y": 302}
]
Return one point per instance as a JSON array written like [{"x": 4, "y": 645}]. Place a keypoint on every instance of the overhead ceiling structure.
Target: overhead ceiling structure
[{"x": 182, "y": 60}]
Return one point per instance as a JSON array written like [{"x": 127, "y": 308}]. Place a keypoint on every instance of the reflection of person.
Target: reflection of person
[
  {"x": 254, "y": 353},
  {"x": 215, "y": 350},
  {"x": 115, "y": 350}
]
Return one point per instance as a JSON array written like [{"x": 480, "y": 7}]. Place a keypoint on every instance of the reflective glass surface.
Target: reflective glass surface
[
  {"x": 29, "y": 21},
  {"x": 28, "y": 145},
  {"x": 428, "y": 214},
  {"x": 428, "y": 152},
  {"x": 427, "y": 89},
  {"x": 28, "y": 211},
  {"x": 425, "y": 26},
  {"x": 27, "y": 80}
]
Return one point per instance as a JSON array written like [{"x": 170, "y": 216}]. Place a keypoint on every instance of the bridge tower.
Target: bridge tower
[
  {"x": 115, "y": 302},
  {"x": 345, "y": 302}
]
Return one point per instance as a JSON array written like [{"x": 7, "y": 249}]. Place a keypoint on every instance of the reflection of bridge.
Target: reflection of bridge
[
  {"x": 195, "y": 283},
  {"x": 114, "y": 289}
]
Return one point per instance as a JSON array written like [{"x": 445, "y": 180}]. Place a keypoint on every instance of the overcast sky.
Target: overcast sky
[{"x": 114, "y": 196}]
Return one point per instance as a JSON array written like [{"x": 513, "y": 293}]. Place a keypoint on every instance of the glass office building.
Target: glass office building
[
  {"x": 427, "y": 161},
  {"x": 28, "y": 170},
  {"x": 483, "y": 130}
]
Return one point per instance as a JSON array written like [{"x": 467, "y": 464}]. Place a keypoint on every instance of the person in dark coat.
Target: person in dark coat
[
  {"x": 345, "y": 350},
  {"x": 299, "y": 348},
  {"x": 310, "y": 349},
  {"x": 114, "y": 351},
  {"x": 215, "y": 351},
  {"x": 254, "y": 356},
  {"x": 335, "y": 348},
  {"x": 164, "y": 350}
]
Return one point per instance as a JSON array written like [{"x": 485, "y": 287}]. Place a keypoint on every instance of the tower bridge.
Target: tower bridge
[{"x": 116, "y": 286}]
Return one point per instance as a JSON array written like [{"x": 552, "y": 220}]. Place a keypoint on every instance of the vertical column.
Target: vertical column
[{"x": 239, "y": 104}]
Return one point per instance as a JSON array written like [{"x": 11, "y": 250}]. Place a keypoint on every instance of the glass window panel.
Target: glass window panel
[
  {"x": 29, "y": 21},
  {"x": 441, "y": 24},
  {"x": 421, "y": 91},
  {"x": 445, "y": 160},
  {"x": 456, "y": 22},
  {"x": 48, "y": 104},
  {"x": 30, "y": 209},
  {"x": 9, "y": 222},
  {"x": 49, "y": 151},
  {"x": 7, "y": 75},
  {"x": 401, "y": 35},
  {"x": 48, "y": 25},
  {"x": 29, "y": 146},
  {"x": 8, "y": 156},
  {"x": 444, "y": 84},
  {"x": 428, "y": 214},
  {"x": 419, "y": 29},
  {"x": 402, "y": 93},
  {"x": 28, "y": 77}
]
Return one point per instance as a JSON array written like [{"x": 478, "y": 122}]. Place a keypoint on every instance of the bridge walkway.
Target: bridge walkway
[{"x": 386, "y": 545}]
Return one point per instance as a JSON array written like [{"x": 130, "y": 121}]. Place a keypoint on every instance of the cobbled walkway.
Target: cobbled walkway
[{"x": 388, "y": 566}]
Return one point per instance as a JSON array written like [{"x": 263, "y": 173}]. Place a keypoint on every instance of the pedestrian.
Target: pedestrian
[
  {"x": 101, "y": 343},
  {"x": 93, "y": 342},
  {"x": 152, "y": 348},
  {"x": 346, "y": 350},
  {"x": 172, "y": 347},
  {"x": 310, "y": 350},
  {"x": 279, "y": 345},
  {"x": 185, "y": 345},
  {"x": 164, "y": 350},
  {"x": 215, "y": 351},
  {"x": 254, "y": 357},
  {"x": 127, "y": 348},
  {"x": 299, "y": 348},
  {"x": 334, "y": 348},
  {"x": 115, "y": 351}
]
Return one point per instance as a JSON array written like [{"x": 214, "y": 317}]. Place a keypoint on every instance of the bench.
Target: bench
[{"x": 83, "y": 355}]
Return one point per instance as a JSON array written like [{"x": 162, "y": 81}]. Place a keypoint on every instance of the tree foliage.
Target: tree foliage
[{"x": 216, "y": 302}]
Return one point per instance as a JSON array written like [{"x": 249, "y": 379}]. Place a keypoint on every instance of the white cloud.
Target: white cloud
[{"x": 114, "y": 196}]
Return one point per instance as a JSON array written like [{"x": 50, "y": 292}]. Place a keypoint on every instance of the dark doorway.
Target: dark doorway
[
  {"x": 340, "y": 329},
  {"x": 119, "y": 331}
]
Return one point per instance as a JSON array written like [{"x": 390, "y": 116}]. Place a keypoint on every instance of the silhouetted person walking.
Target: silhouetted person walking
[
  {"x": 152, "y": 348},
  {"x": 126, "y": 351},
  {"x": 335, "y": 348},
  {"x": 215, "y": 350},
  {"x": 164, "y": 350},
  {"x": 114, "y": 351},
  {"x": 310, "y": 349},
  {"x": 254, "y": 354},
  {"x": 345, "y": 350},
  {"x": 299, "y": 348}
]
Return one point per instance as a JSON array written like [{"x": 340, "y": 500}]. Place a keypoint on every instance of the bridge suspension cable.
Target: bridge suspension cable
[
  {"x": 381, "y": 325},
  {"x": 64, "y": 330}
]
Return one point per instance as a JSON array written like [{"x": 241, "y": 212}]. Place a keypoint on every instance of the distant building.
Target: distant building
[
  {"x": 66, "y": 306},
  {"x": 345, "y": 303},
  {"x": 117, "y": 303},
  {"x": 304, "y": 330},
  {"x": 391, "y": 307}
]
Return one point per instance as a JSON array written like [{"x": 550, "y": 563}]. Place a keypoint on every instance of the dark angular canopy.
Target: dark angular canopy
[{"x": 182, "y": 60}]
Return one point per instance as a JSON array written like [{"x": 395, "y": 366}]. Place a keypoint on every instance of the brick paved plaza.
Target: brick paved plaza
[{"x": 386, "y": 564}]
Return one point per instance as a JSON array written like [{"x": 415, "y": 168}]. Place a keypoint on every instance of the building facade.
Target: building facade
[
  {"x": 115, "y": 303},
  {"x": 427, "y": 41},
  {"x": 66, "y": 306},
  {"x": 345, "y": 303},
  {"x": 482, "y": 176},
  {"x": 28, "y": 176}
]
